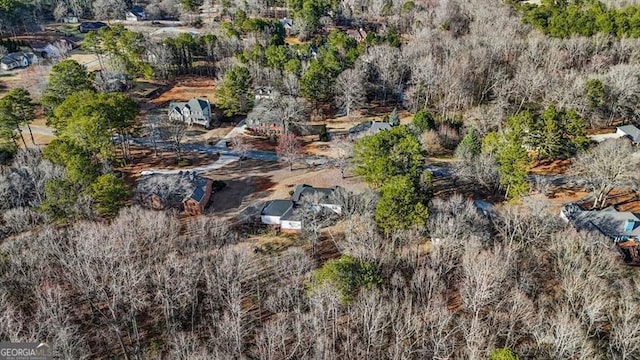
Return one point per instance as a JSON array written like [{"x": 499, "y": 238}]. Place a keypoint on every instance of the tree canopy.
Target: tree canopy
[
  {"x": 348, "y": 274},
  {"x": 235, "y": 94},
  {"x": 67, "y": 77},
  {"x": 388, "y": 153},
  {"x": 401, "y": 206}
]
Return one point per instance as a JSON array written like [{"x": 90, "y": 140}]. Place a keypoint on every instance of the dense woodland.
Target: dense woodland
[{"x": 410, "y": 275}]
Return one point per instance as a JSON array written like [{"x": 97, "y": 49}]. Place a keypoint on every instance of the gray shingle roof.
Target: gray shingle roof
[
  {"x": 199, "y": 105},
  {"x": 608, "y": 221},
  {"x": 631, "y": 131},
  {"x": 277, "y": 207},
  {"x": 368, "y": 128},
  {"x": 303, "y": 191}
]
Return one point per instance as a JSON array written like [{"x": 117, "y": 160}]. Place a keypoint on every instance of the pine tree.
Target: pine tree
[
  {"x": 513, "y": 162},
  {"x": 470, "y": 145}
]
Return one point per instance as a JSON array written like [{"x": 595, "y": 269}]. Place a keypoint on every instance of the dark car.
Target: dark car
[{"x": 91, "y": 26}]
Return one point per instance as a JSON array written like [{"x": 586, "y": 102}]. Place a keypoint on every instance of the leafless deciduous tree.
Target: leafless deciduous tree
[
  {"x": 109, "y": 9},
  {"x": 480, "y": 170},
  {"x": 24, "y": 182},
  {"x": 289, "y": 149},
  {"x": 612, "y": 164},
  {"x": 344, "y": 152},
  {"x": 350, "y": 90},
  {"x": 240, "y": 146},
  {"x": 173, "y": 131}
]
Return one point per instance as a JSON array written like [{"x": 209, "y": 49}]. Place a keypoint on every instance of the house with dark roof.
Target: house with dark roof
[
  {"x": 17, "y": 60},
  {"x": 56, "y": 49},
  {"x": 186, "y": 190},
  {"x": 136, "y": 13},
  {"x": 274, "y": 210},
  {"x": 197, "y": 201},
  {"x": 195, "y": 111},
  {"x": 629, "y": 131},
  {"x": 368, "y": 128},
  {"x": 617, "y": 225},
  {"x": 290, "y": 214},
  {"x": 307, "y": 195}
]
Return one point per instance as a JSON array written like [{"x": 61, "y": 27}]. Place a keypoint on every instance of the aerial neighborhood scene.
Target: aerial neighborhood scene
[{"x": 313, "y": 179}]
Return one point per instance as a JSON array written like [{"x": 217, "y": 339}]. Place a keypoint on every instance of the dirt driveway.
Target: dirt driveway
[{"x": 252, "y": 182}]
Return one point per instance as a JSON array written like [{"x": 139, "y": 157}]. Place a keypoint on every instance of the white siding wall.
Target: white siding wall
[
  {"x": 335, "y": 208},
  {"x": 271, "y": 220},
  {"x": 291, "y": 225}
]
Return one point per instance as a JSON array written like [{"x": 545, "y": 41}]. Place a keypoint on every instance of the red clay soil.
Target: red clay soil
[
  {"x": 186, "y": 88},
  {"x": 600, "y": 131},
  {"x": 550, "y": 167},
  {"x": 623, "y": 200}
]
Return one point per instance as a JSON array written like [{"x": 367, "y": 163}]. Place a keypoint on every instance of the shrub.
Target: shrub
[
  {"x": 424, "y": 121},
  {"x": 348, "y": 275},
  {"x": 431, "y": 143},
  {"x": 503, "y": 354}
]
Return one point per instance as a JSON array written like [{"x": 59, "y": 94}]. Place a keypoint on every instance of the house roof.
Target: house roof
[
  {"x": 93, "y": 24},
  {"x": 630, "y": 130},
  {"x": 303, "y": 191},
  {"x": 609, "y": 221},
  {"x": 376, "y": 127},
  {"x": 8, "y": 60},
  {"x": 200, "y": 188},
  {"x": 174, "y": 188},
  {"x": 368, "y": 128},
  {"x": 17, "y": 57},
  {"x": 286, "y": 22},
  {"x": 277, "y": 207},
  {"x": 138, "y": 11},
  {"x": 202, "y": 105}
]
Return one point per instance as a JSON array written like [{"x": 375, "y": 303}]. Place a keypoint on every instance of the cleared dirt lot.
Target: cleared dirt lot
[
  {"x": 251, "y": 182},
  {"x": 185, "y": 89}
]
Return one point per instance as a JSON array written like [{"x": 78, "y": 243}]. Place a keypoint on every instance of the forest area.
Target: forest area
[{"x": 403, "y": 273}]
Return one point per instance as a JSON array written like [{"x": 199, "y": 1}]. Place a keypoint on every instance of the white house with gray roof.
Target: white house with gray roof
[
  {"x": 289, "y": 214},
  {"x": 194, "y": 111},
  {"x": 618, "y": 225}
]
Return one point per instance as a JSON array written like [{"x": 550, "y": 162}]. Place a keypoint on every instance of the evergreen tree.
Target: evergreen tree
[
  {"x": 424, "y": 121},
  {"x": 67, "y": 77},
  {"x": 234, "y": 95},
  {"x": 109, "y": 193},
  {"x": 400, "y": 206},
  {"x": 513, "y": 162},
  {"x": 19, "y": 106},
  {"x": 394, "y": 118},
  {"x": 388, "y": 153},
  {"x": 470, "y": 145}
]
